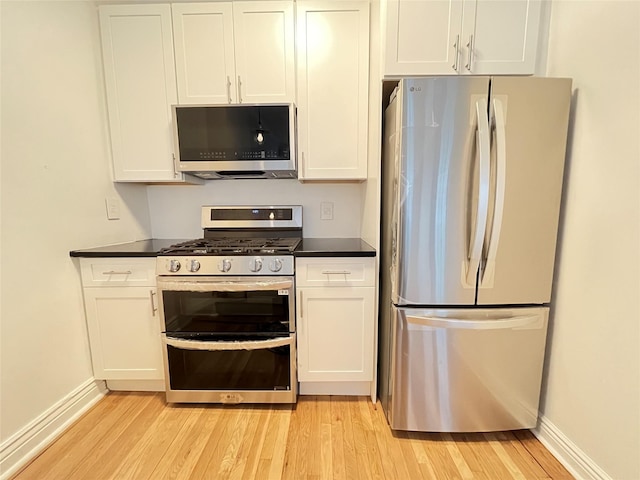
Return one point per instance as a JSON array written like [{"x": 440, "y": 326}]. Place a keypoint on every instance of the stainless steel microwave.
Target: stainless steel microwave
[{"x": 235, "y": 141}]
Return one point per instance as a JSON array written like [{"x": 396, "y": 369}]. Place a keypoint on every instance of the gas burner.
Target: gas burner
[{"x": 232, "y": 246}]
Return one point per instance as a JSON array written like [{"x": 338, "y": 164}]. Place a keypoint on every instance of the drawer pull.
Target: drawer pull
[
  {"x": 116, "y": 272},
  {"x": 336, "y": 272}
]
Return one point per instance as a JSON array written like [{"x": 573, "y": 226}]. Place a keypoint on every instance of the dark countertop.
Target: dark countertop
[
  {"x": 141, "y": 248},
  {"x": 309, "y": 247},
  {"x": 334, "y": 247}
]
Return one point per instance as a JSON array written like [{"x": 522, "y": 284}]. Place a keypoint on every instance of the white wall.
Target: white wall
[
  {"x": 55, "y": 177},
  {"x": 175, "y": 211},
  {"x": 593, "y": 383}
]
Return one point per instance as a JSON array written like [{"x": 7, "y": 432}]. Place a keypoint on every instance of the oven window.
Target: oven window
[
  {"x": 262, "y": 369},
  {"x": 226, "y": 315}
]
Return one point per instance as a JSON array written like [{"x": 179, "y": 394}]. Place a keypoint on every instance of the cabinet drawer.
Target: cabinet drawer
[
  {"x": 101, "y": 272},
  {"x": 325, "y": 272}
]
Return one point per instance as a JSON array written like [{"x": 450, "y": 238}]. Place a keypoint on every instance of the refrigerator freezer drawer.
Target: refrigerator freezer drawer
[{"x": 461, "y": 370}]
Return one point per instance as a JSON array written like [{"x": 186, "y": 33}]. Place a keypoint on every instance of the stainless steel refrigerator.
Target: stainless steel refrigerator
[{"x": 472, "y": 182}]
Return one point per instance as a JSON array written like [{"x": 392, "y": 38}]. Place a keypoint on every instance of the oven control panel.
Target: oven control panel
[{"x": 221, "y": 265}]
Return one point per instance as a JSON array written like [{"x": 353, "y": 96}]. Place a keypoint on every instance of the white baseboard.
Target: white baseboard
[
  {"x": 30, "y": 441},
  {"x": 575, "y": 460}
]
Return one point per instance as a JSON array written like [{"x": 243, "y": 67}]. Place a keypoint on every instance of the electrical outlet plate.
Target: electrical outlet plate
[
  {"x": 113, "y": 208},
  {"x": 326, "y": 211}
]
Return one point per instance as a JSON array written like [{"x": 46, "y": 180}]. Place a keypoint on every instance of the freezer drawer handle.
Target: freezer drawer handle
[{"x": 464, "y": 323}]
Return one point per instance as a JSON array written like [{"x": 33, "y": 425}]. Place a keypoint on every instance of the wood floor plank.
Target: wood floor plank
[
  {"x": 216, "y": 445},
  {"x": 393, "y": 462},
  {"x": 547, "y": 461},
  {"x": 139, "y": 436},
  {"x": 360, "y": 440},
  {"x": 63, "y": 456},
  {"x": 142, "y": 459},
  {"x": 337, "y": 440},
  {"x": 490, "y": 463},
  {"x": 254, "y": 449},
  {"x": 350, "y": 465},
  {"x": 326, "y": 432},
  {"x": 108, "y": 455},
  {"x": 521, "y": 456},
  {"x": 281, "y": 445},
  {"x": 456, "y": 455},
  {"x": 180, "y": 460}
]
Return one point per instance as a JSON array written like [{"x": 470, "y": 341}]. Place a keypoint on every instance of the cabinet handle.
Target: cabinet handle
[
  {"x": 336, "y": 272},
  {"x": 456, "y": 45},
  {"x": 301, "y": 309},
  {"x": 303, "y": 166},
  {"x": 229, "y": 88},
  {"x": 470, "y": 53},
  {"x": 154, "y": 309},
  {"x": 239, "y": 89},
  {"x": 116, "y": 272}
]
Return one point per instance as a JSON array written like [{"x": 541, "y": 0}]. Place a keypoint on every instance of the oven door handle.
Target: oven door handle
[
  {"x": 208, "y": 284},
  {"x": 215, "y": 346}
]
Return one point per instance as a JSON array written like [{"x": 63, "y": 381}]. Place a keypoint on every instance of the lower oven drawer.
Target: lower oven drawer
[{"x": 231, "y": 372}]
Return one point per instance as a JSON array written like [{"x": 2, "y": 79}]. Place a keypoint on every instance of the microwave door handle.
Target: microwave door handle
[{"x": 220, "y": 346}]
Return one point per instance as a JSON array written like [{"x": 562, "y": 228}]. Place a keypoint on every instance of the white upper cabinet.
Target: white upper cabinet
[
  {"x": 234, "y": 52},
  {"x": 137, "y": 49},
  {"x": 450, "y": 37},
  {"x": 333, "y": 89},
  {"x": 205, "y": 64}
]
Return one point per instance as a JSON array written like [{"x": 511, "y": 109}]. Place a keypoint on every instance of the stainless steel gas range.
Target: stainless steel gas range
[{"x": 228, "y": 310}]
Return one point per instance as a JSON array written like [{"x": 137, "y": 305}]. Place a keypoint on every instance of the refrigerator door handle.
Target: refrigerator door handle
[
  {"x": 519, "y": 321},
  {"x": 498, "y": 208},
  {"x": 483, "y": 145}
]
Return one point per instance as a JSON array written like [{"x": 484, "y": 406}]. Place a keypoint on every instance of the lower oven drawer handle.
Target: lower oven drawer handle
[{"x": 213, "y": 346}]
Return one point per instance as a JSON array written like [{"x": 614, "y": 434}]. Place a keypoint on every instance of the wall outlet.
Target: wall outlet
[
  {"x": 326, "y": 211},
  {"x": 113, "y": 208}
]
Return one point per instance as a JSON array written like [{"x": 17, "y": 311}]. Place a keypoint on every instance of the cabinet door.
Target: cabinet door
[
  {"x": 205, "y": 65},
  {"x": 264, "y": 51},
  {"x": 333, "y": 89},
  {"x": 423, "y": 37},
  {"x": 137, "y": 47},
  {"x": 124, "y": 333},
  {"x": 500, "y": 36},
  {"x": 335, "y": 333}
]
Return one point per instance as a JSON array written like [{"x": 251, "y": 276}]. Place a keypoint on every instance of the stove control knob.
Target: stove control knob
[
  {"x": 224, "y": 265},
  {"x": 255, "y": 264},
  {"x": 275, "y": 265},
  {"x": 193, "y": 265},
  {"x": 173, "y": 265}
]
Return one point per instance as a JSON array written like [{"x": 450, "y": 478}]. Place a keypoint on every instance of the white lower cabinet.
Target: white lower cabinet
[
  {"x": 121, "y": 308},
  {"x": 335, "y": 325}
]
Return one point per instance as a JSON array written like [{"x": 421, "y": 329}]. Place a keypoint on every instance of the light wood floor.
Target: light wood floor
[{"x": 138, "y": 436}]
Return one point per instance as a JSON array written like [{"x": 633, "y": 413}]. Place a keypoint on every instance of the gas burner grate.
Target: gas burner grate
[{"x": 235, "y": 246}]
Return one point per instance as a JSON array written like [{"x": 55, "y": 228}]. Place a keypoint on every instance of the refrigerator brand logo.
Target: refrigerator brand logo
[{"x": 415, "y": 89}]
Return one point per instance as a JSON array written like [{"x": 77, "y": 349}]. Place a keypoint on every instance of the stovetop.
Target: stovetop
[
  {"x": 233, "y": 246},
  {"x": 238, "y": 240}
]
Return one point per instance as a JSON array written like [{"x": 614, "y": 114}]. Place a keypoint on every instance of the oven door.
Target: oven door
[{"x": 228, "y": 339}]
